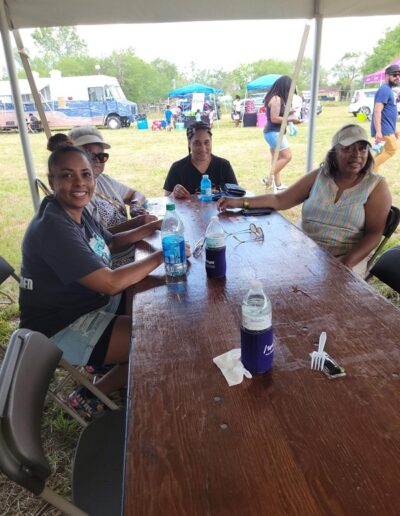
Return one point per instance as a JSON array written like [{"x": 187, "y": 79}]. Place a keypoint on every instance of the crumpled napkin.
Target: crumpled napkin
[{"x": 231, "y": 367}]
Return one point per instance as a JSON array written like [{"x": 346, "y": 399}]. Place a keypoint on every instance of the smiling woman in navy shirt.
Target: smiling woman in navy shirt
[{"x": 68, "y": 290}]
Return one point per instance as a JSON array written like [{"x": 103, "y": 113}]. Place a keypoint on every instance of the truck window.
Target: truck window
[
  {"x": 116, "y": 92},
  {"x": 96, "y": 93},
  {"x": 108, "y": 93}
]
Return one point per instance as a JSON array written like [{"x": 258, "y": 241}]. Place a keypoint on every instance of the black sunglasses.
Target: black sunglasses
[
  {"x": 101, "y": 157},
  {"x": 396, "y": 74}
]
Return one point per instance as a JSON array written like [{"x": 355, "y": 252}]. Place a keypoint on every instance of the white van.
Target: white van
[{"x": 363, "y": 102}]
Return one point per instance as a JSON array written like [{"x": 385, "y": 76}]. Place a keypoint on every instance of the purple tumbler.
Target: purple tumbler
[
  {"x": 256, "y": 334},
  {"x": 215, "y": 249}
]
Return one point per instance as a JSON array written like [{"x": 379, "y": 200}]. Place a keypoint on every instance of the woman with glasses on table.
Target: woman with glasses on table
[
  {"x": 68, "y": 290},
  {"x": 111, "y": 197},
  {"x": 345, "y": 205},
  {"x": 185, "y": 175}
]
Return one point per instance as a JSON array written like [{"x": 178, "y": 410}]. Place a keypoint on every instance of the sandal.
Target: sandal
[
  {"x": 86, "y": 404},
  {"x": 98, "y": 370},
  {"x": 267, "y": 181}
]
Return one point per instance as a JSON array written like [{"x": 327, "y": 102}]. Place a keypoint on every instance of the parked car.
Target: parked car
[
  {"x": 363, "y": 101},
  {"x": 305, "y": 109}
]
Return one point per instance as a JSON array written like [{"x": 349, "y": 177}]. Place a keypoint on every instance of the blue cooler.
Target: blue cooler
[{"x": 142, "y": 124}]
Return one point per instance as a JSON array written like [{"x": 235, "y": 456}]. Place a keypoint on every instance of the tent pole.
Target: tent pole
[
  {"x": 25, "y": 62},
  {"x": 288, "y": 106},
  {"x": 314, "y": 88},
  {"x": 19, "y": 110}
]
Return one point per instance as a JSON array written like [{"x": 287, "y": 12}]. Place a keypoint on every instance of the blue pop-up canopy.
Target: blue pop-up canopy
[
  {"x": 194, "y": 88},
  {"x": 263, "y": 83}
]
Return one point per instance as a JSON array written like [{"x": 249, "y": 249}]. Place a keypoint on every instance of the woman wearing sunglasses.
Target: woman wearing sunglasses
[
  {"x": 111, "y": 197},
  {"x": 345, "y": 205}
]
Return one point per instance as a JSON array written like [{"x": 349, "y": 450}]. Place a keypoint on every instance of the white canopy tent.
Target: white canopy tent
[{"x": 17, "y": 14}]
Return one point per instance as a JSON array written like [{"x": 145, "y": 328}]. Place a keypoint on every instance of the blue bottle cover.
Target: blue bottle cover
[
  {"x": 216, "y": 262},
  {"x": 257, "y": 349}
]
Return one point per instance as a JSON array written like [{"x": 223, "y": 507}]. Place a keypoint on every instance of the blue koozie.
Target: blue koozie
[
  {"x": 257, "y": 350},
  {"x": 256, "y": 335},
  {"x": 215, "y": 249},
  {"x": 216, "y": 262}
]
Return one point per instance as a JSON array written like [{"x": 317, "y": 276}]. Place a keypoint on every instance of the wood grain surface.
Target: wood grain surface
[{"x": 290, "y": 441}]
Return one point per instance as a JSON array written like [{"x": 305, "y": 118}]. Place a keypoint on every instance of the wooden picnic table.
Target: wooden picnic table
[{"x": 290, "y": 441}]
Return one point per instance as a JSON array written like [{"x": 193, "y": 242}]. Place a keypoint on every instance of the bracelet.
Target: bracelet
[{"x": 246, "y": 204}]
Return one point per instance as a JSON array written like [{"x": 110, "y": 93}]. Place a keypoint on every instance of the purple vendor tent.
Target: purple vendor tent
[{"x": 379, "y": 76}]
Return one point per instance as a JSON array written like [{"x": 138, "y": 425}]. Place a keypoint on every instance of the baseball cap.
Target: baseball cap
[
  {"x": 394, "y": 68},
  {"x": 91, "y": 138},
  {"x": 349, "y": 134}
]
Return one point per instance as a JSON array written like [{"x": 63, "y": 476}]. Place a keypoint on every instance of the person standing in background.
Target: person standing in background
[
  {"x": 168, "y": 115},
  {"x": 236, "y": 111},
  {"x": 384, "y": 119},
  {"x": 275, "y": 103},
  {"x": 210, "y": 115}
]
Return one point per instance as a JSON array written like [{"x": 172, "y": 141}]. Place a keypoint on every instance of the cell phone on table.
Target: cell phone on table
[{"x": 256, "y": 211}]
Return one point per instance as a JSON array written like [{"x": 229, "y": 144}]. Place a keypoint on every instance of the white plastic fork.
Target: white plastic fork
[{"x": 318, "y": 357}]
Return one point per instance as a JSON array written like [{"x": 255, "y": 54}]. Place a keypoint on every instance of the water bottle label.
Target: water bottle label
[
  {"x": 215, "y": 240},
  {"x": 173, "y": 249},
  {"x": 255, "y": 321},
  {"x": 207, "y": 192}
]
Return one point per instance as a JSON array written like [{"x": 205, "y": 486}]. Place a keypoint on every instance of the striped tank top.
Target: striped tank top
[{"x": 338, "y": 227}]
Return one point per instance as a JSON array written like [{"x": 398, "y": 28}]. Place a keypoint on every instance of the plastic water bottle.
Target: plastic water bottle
[
  {"x": 256, "y": 335},
  {"x": 292, "y": 129},
  {"x": 215, "y": 249},
  {"x": 377, "y": 147},
  {"x": 205, "y": 188},
  {"x": 173, "y": 244}
]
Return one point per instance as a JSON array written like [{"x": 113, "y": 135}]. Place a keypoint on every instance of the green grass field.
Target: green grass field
[{"x": 140, "y": 159}]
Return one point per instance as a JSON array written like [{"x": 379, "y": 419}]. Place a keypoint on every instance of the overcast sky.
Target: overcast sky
[{"x": 231, "y": 43}]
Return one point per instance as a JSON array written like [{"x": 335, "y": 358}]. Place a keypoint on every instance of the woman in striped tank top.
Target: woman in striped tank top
[{"x": 345, "y": 205}]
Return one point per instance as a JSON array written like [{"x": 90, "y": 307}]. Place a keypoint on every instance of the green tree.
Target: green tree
[
  {"x": 54, "y": 43},
  {"x": 347, "y": 73},
  {"x": 142, "y": 82},
  {"x": 386, "y": 50}
]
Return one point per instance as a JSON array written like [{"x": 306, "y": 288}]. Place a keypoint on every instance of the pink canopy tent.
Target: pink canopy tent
[{"x": 379, "y": 76}]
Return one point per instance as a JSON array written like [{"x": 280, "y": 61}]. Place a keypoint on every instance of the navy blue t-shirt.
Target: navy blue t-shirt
[
  {"x": 56, "y": 253},
  {"x": 385, "y": 96},
  {"x": 184, "y": 173}
]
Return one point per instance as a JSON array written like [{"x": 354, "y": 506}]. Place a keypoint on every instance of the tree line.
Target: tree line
[{"x": 62, "y": 49}]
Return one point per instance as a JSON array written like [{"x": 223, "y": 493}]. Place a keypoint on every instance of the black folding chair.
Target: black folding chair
[
  {"x": 392, "y": 222},
  {"x": 387, "y": 268},
  {"x": 97, "y": 475}
]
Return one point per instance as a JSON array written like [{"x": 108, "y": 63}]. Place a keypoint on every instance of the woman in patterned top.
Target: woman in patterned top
[
  {"x": 345, "y": 205},
  {"x": 111, "y": 198}
]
